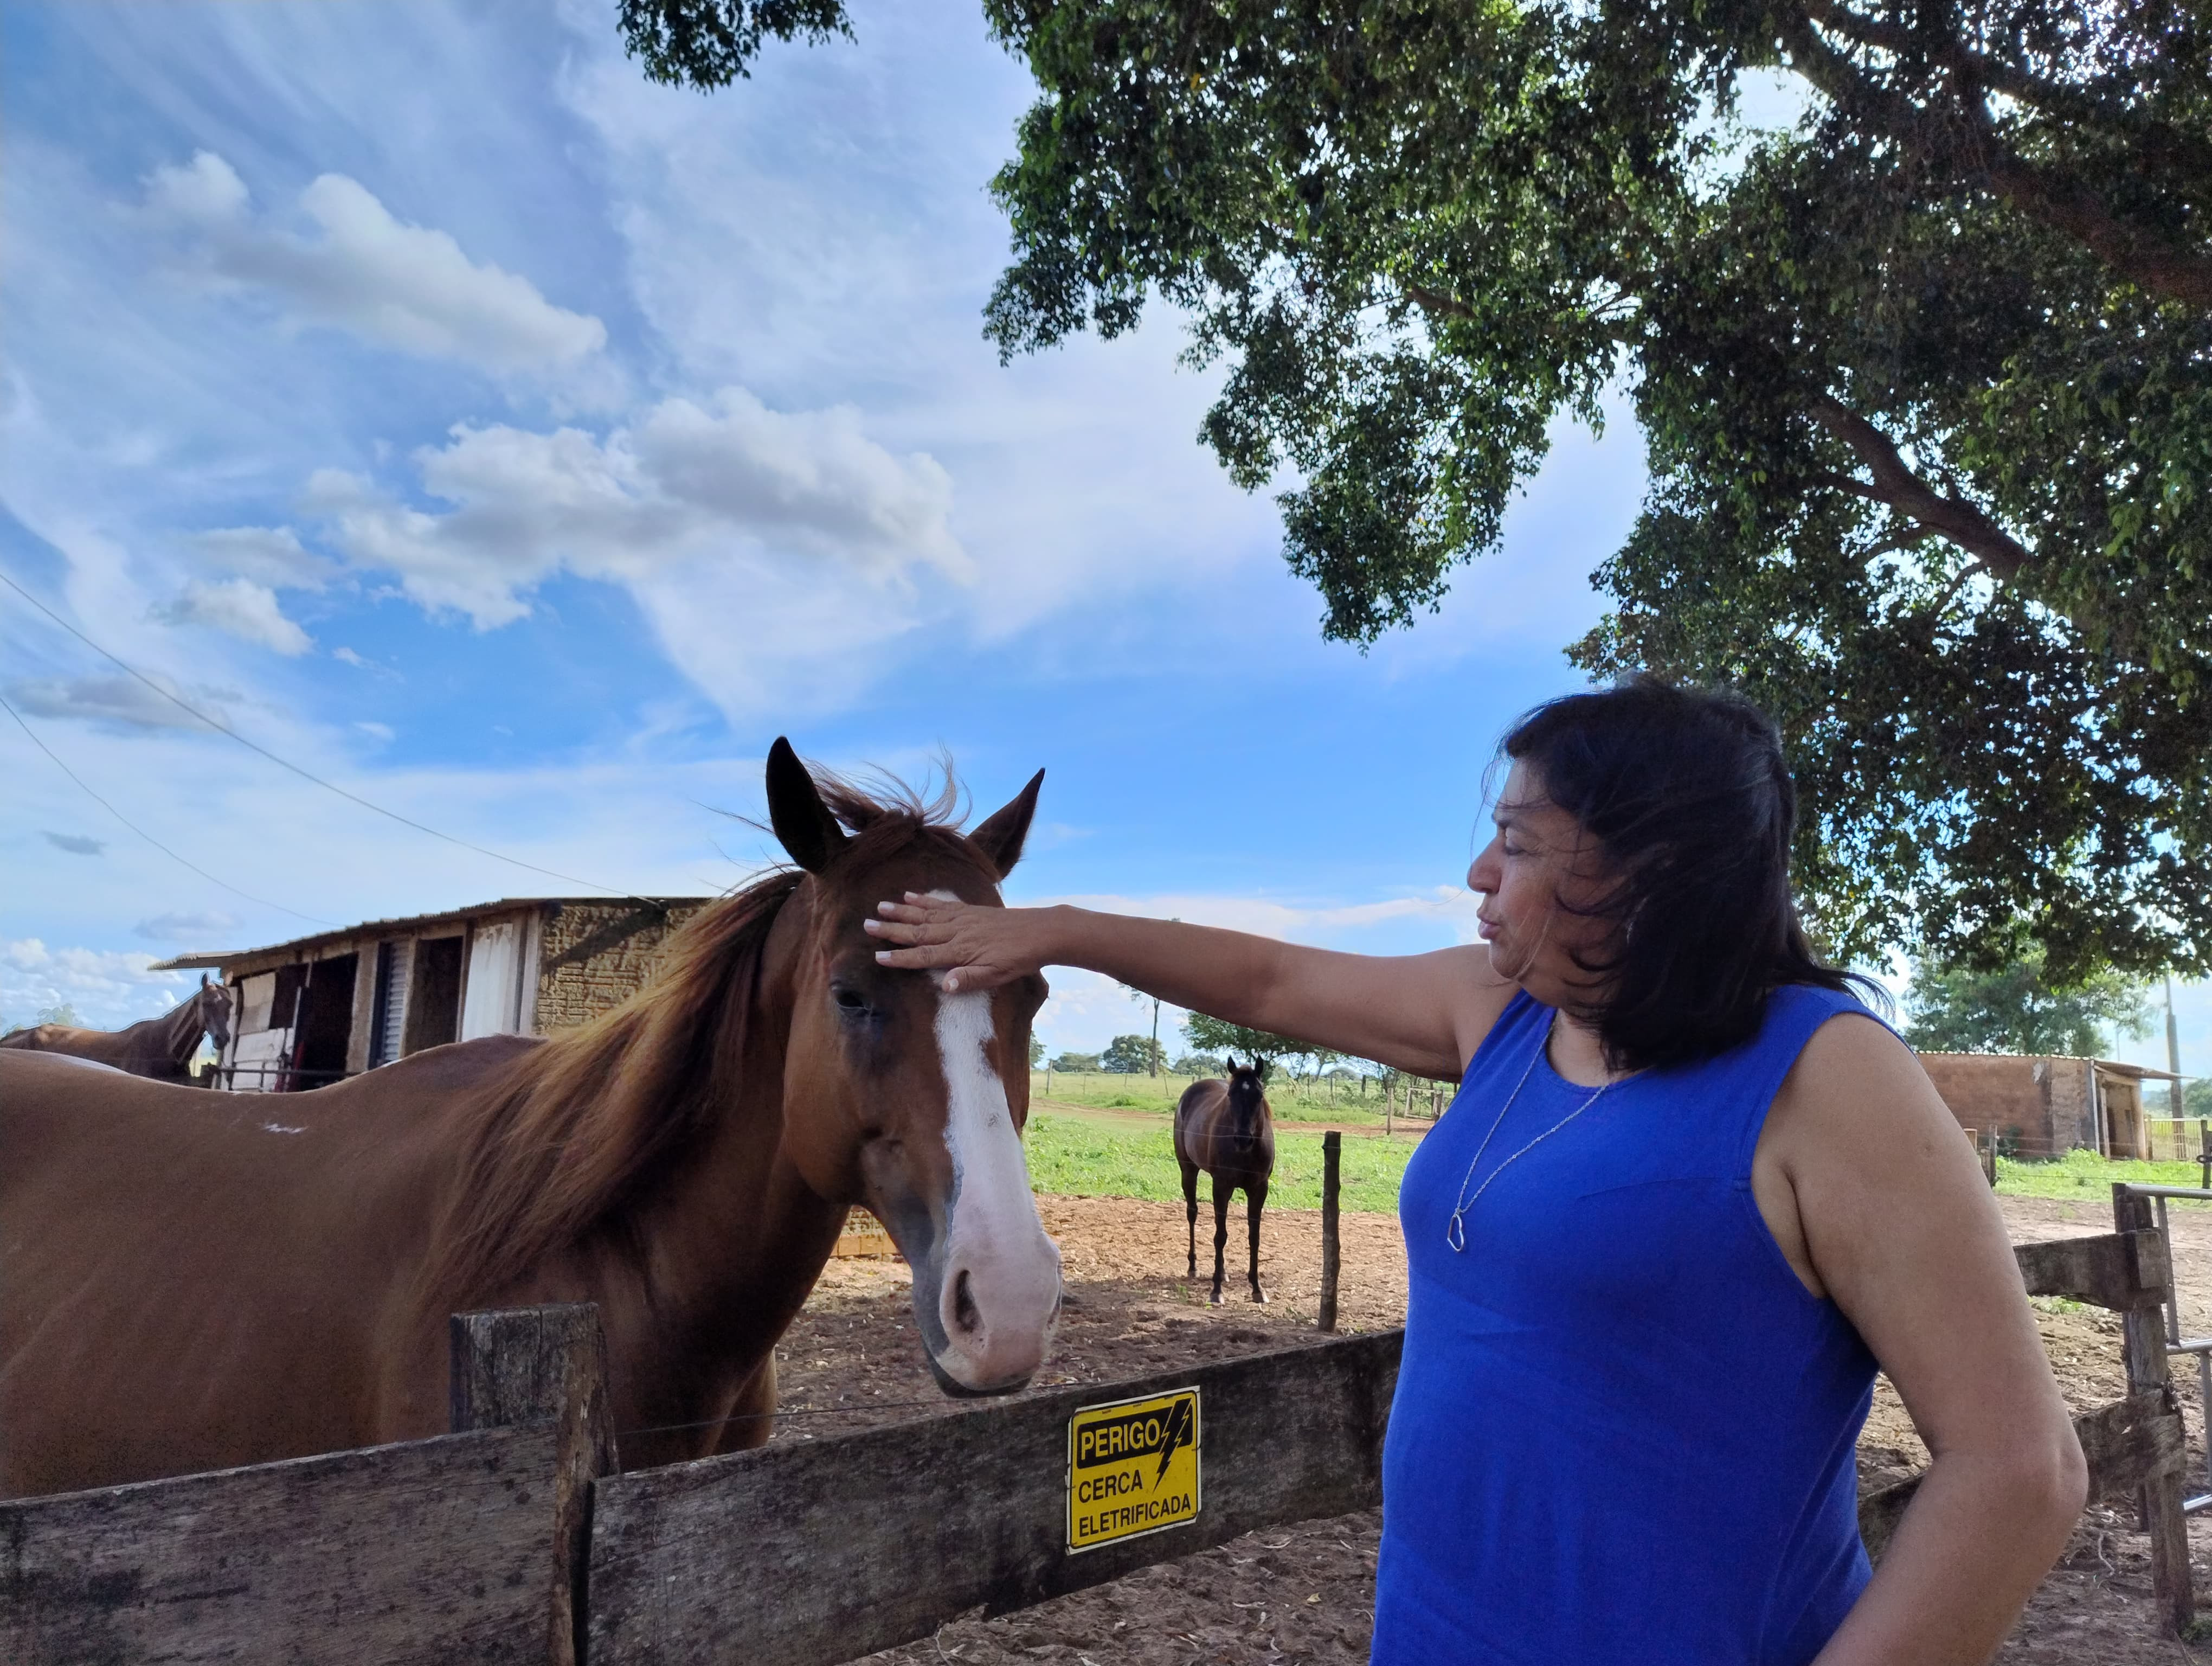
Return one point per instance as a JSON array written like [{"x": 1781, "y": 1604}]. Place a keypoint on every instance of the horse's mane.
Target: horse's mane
[{"x": 585, "y": 1123}]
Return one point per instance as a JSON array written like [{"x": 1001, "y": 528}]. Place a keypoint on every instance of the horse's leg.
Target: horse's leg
[
  {"x": 1190, "y": 1214},
  {"x": 1255, "y": 1198},
  {"x": 752, "y": 1414},
  {"x": 1222, "y": 1189}
]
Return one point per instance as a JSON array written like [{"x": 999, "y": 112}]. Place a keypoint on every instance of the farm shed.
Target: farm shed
[
  {"x": 333, "y": 1005},
  {"x": 2046, "y": 1106}
]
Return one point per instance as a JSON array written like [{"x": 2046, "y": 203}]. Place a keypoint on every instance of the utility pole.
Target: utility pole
[{"x": 2172, "y": 1056}]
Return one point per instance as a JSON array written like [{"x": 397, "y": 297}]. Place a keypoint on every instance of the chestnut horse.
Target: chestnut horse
[
  {"x": 1223, "y": 1127},
  {"x": 190, "y": 1280},
  {"x": 161, "y": 1047}
]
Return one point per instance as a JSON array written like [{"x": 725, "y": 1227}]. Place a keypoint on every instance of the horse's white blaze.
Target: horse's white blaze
[{"x": 997, "y": 1241}]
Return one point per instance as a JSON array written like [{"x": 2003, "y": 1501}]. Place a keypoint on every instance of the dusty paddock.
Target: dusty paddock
[{"x": 1303, "y": 1592}]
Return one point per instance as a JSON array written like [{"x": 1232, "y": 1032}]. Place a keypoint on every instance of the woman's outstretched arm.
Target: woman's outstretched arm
[{"x": 1424, "y": 1013}]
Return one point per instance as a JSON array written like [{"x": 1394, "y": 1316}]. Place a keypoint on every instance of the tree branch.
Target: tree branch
[
  {"x": 1896, "y": 485},
  {"x": 2151, "y": 262},
  {"x": 1436, "y": 301}
]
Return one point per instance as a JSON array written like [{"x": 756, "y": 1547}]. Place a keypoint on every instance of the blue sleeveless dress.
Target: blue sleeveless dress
[{"x": 1624, "y": 1431}]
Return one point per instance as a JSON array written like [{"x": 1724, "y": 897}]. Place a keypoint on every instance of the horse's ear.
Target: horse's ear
[
  {"x": 1000, "y": 838},
  {"x": 203, "y": 980},
  {"x": 802, "y": 822}
]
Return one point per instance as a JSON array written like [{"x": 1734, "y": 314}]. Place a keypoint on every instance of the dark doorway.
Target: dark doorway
[
  {"x": 324, "y": 1023},
  {"x": 434, "y": 1004}
]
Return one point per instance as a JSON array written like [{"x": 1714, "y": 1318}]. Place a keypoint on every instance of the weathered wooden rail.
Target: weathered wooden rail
[{"x": 517, "y": 1543}]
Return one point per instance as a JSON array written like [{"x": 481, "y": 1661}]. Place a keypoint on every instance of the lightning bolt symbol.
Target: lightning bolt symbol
[{"x": 1178, "y": 1433}]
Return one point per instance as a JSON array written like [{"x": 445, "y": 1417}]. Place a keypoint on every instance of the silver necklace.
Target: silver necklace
[{"x": 1456, "y": 1228}]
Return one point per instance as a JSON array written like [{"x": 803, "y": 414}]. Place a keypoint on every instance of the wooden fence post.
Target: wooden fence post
[
  {"x": 1331, "y": 1153},
  {"x": 2144, "y": 1347},
  {"x": 536, "y": 1365}
]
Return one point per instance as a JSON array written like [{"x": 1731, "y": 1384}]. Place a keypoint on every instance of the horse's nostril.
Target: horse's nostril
[{"x": 964, "y": 1304}]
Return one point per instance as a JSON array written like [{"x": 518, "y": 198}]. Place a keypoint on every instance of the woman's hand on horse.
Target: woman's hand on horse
[{"x": 975, "y": 947}]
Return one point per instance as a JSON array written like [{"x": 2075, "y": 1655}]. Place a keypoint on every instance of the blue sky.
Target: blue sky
[{"x": 524, "y": 446}]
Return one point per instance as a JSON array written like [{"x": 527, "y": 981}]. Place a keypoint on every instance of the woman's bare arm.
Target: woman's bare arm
[
  {"x": 1878, "y": 1200},
  {"x": 1424, "y": 1013}
]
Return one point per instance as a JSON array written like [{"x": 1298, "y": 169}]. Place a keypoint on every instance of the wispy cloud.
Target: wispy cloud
[
  {"x": 1087, "y": 1010},
  {"x": 116, "y": 701},
  {"x": 76, "y": 844},
  {"x": 198, "y": 930},
  {"x": 268, "y": 554},
  {"x": 406, "y": 286},
  {"x": 241, "y": 608},
  {"x": 1451, "y": 908},
  {"x": 686, "y": 481}
]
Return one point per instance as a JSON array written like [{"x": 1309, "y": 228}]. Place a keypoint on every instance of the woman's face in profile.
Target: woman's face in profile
[{"x": 1539, "y": 858}]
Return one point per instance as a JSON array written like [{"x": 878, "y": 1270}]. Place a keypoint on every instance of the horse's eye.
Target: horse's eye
[{"x": 849, "y": 999}]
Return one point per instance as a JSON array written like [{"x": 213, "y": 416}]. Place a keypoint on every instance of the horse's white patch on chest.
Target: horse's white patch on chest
[{"x": 278, "y": 1128}]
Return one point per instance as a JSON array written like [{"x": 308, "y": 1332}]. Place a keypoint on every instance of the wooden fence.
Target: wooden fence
[
  {"x": 518, "y": 1543},
  {"x": 2178, "y": 1138}
]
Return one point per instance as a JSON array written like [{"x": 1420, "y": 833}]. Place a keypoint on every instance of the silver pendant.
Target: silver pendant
[{"x": 1455, "y": 1234}]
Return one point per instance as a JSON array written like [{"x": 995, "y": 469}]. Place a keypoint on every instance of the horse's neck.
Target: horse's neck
[
  {"x": 178, "y": 1032},
  {"x": 731, "y": 1249}
]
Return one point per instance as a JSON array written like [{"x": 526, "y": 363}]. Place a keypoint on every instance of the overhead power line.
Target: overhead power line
[
  {"x": 262, "y": 901},
  {"x": 221, "y": 728}
]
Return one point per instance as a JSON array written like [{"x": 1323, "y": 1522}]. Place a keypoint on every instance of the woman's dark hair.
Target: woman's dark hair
[{"x": 1687, "y": 794}]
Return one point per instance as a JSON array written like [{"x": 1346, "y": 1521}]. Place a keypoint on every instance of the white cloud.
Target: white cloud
[
  {"x": 374, "y": 731},
  {"x": 1451, "y": 908},
  {"x": 402, "y": 286},
  {"x": 241, "y": 607},
  {"x": 361, "y": 662},
  {"x": 1087, "y": 1009},
  {"x": 115, "y": 702},
  {"x": 198, "y": 930},
  {"x": 686, "y": 483},
  {"x": 268, "y": 554},
  {"x": 99, "y": 983}
]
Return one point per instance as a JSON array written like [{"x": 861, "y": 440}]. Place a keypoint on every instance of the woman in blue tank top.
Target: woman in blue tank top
[{"x": 1691, "y": 1196}]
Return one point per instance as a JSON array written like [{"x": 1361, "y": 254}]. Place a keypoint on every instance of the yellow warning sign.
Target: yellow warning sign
[{"x": 1133, "y": 1467}]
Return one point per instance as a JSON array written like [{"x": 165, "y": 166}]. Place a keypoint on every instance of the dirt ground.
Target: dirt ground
[{"x": 1305, "y": 1592}]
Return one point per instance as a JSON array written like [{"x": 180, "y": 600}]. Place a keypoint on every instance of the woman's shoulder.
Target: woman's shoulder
[
  {"x": 1842, "y": 1049},
  {"x": 1795, "y": 1013}
]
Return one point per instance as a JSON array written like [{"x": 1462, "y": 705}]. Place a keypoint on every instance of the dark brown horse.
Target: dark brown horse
[
  {"x": 1225, "y": 1128},
  {"x": 161, "y": 1047},
  {"x": 190, "y": 1279}
]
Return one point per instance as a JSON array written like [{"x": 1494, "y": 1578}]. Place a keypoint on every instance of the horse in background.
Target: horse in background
[
  {"x": 1225, "y": 1128},
  {"x": 188, "y": 1284},
  {"x": 160, "y": 1047}
]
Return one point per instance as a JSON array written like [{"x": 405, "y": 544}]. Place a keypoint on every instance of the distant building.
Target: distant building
[
  {"x": 320, "y": 1008},
  {"x": 2047, "y": 1106}
]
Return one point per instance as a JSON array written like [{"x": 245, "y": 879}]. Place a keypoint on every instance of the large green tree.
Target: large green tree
[
  {"x": 1133, "y": 1056},
  {"x": 1924, "y": 380},
  {"x": 2017, "y": 1009},
  {"x": 1209, "y": 1035}
]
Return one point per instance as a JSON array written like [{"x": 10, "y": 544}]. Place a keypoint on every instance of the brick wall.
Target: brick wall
[
  {"x": 572, "y": 995},
  {"x": 2044, "y": 1103},
  {"x": 1992, "y": 1092}
]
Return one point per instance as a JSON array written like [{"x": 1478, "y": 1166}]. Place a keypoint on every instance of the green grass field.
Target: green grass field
[
  {"x": 1086, "y": 1157},
  {"x": 1078, "y": 1156},
  {"x": 2082, "y": 1177},
  {"x": 1291, "y": 1101}
]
